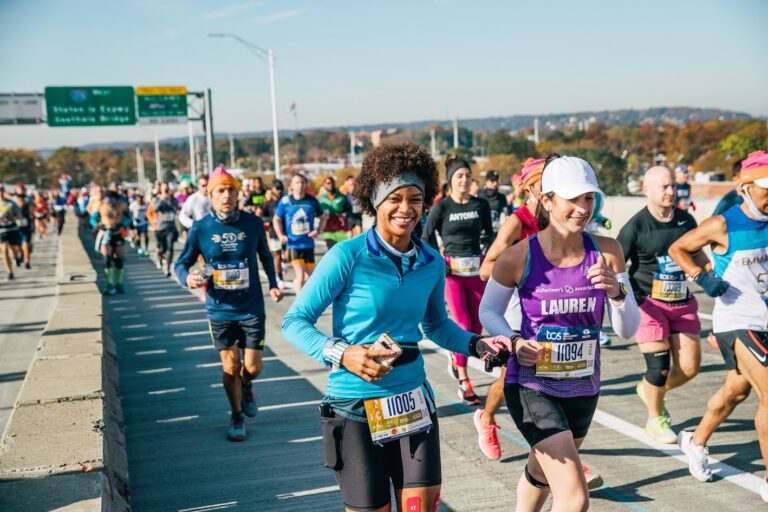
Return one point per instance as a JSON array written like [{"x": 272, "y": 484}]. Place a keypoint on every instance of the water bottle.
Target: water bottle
[{"x": 206, "y": 271}]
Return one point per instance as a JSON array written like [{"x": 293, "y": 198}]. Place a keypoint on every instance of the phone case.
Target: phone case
[{"x": 386, "y": 342}]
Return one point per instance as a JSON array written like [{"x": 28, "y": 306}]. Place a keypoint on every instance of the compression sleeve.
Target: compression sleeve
[
  {"x": 493, "y": 306},
  {"x": 185, "y": 215},
  {"x": 625, "y": 319}
]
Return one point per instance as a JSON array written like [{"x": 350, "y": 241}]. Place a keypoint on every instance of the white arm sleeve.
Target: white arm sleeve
[
  {"x": 185, "y": 215},
  {"x": 493, "y": 306},
  {"x": 625, "y": 319}
]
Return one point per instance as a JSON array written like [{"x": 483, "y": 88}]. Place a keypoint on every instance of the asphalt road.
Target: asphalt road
[{"x": 176, "y": 419}]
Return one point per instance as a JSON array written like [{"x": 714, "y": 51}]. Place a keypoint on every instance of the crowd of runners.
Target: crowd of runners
[{"x": 523, "y": 282}]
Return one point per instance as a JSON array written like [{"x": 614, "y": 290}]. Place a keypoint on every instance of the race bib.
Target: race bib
[
  {"x": 22, "y": 222},
  {"x": 230, "y": 275},
  {"x": 669, "y": 283},
  {"x": 396, "y": 416},
  {"x": 465, "y": 266},
  {"x": 567, "y": 352},
  {"x": 275, "y": 245}
]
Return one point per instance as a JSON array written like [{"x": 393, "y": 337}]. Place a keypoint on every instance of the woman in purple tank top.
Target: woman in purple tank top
[{"x": 564, "y": 276}]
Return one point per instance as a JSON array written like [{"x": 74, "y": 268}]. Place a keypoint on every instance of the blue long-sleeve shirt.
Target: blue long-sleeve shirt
[
  {"x": 231, "y": 249},
  {"x": 370, "y": 296}
]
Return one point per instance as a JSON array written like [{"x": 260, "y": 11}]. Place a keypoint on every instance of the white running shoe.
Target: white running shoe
[
  {"x": 697, "y": 459},
  {"x": 764, "y": 490}
]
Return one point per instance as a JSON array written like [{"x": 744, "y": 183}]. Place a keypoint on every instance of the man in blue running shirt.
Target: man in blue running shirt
[{"x": 230, "y": 240}]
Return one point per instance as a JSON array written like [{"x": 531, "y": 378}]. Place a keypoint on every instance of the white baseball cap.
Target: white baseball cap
[{"x": 569, "y": 177}]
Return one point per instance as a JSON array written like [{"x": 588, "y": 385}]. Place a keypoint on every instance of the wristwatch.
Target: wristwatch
[
  {"x": 333, "y": 349},
  {"x": 622, "y": 293}
]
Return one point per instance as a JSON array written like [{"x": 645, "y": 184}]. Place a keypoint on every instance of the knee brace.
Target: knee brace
[
  {"x": 118, "y": 262},
  {"x": 108, "y": 261},
  {"x": 657, "y": 364},
  {"x": 533, "y": 481}
]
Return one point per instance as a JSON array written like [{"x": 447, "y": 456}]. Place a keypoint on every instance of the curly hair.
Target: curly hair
[{"x": 390, "y": 160}]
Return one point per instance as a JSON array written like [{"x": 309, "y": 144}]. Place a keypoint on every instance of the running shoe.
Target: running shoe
[
  {"x": 659, "y": 430},
  {"x": 594, "y": 480},
  {"x": 641, "y": 393},
  {"x": 605, "y": 340},
  {"x": 280, "y": 284},
  {"x": 109, "y": 290},
  {"x": 18, "y": 261},
  {"x": 697, "y": 459},
  {"x": 11, "y": 276},
  {"x": 236, "y": 430},
  {"x": 764, "y": 490},
  {"x": 248, "y": 402},
  {"x": 467, "y": 393},
  {"x": 487, "y": 437},
  {"x": 27, "y": 266},
  {"x": 453, "y": 369},
  {"x": 119, "y": 288}
]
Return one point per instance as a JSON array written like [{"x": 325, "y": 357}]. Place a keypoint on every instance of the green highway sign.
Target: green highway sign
[
  {"x": 162, "y": 105},
  {"x": 90, "y": 106}
]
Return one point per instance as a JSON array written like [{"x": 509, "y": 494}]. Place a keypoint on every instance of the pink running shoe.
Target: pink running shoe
[{"x": 487, "y": 437}]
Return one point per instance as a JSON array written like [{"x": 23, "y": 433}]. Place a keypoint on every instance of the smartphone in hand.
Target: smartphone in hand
[{"x": 385, "y": 342}]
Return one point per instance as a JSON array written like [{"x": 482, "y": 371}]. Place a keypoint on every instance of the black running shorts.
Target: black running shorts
[
  {"x": 363, "y": 469},
  {"x": 10, "y": 237},
  {"x": 539, "y": 415},
  {"x": 247, "y": 333},
  {"x": 755, "y": 341},
  {"x": 306, "y": 256}
]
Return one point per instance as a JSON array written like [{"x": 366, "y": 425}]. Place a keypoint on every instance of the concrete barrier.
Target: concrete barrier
[{"x": 64, "y": 445}]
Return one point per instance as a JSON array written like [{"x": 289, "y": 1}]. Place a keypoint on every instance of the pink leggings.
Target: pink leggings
[{"x": 463, "y": 295}]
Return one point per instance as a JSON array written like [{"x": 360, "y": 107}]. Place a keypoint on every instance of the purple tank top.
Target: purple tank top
[{"x": 552, "y": 298}]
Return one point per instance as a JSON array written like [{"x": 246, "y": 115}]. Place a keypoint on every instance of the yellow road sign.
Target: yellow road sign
[{"x": 160, "y": 91}]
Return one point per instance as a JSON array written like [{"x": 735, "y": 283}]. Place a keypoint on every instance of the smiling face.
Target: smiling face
[
  {"x": 400, "y": 211},
  {"x": 461, "y": 180},
  {"x": 570, "y": 215}
]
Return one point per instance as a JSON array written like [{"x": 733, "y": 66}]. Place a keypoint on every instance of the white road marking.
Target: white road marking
[
  {"x": 128, "y": 317},
  {"x": 164, "y": 297},
  {"x": 725, "y": 471},
  {"x": 125, "y": 308},
  {"x": 309, "y": 492},
  {"x": 184, "y": 322},
  {"x": 208, "y": 508},
  {"x": 287, "y": 406},
  {"x": 306, "y": 439},
  {"x": 198, "y": 347},
  {"x": 188, "y": 312},
  {"x": 191, "y": 333},
  {"x": 208, "y": 365},
  {"x": 166, "y": 391},
  {"x": 155, "y": 370},
  {"x": 134, "y": 326},
  {"x": 734, "y": 475},
  {"x": 278, "y": 379},
  {"x": 188, "y": 302},
  {"x": 138, "y": 338},
  {"x": 151, "y": 352},
  {"x": 176, "y": 420}
]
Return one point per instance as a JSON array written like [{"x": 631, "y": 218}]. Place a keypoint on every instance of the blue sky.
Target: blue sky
[{"x": 353, "y": 62}]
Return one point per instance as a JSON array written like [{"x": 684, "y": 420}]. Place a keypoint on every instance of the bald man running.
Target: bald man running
[{"x": 669, "y": 329}]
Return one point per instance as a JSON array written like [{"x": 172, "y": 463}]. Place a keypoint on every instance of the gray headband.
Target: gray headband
[{"x": 383, "y": 189}]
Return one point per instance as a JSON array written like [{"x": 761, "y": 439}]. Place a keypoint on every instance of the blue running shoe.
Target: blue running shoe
[{"x": 236, "y": 430}]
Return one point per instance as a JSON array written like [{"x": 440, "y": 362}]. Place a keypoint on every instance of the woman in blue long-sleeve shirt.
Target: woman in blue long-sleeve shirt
[{"x": 378, "y": 420}]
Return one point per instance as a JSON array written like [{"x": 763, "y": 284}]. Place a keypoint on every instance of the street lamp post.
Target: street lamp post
[{"x": 269, "y": 57}]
